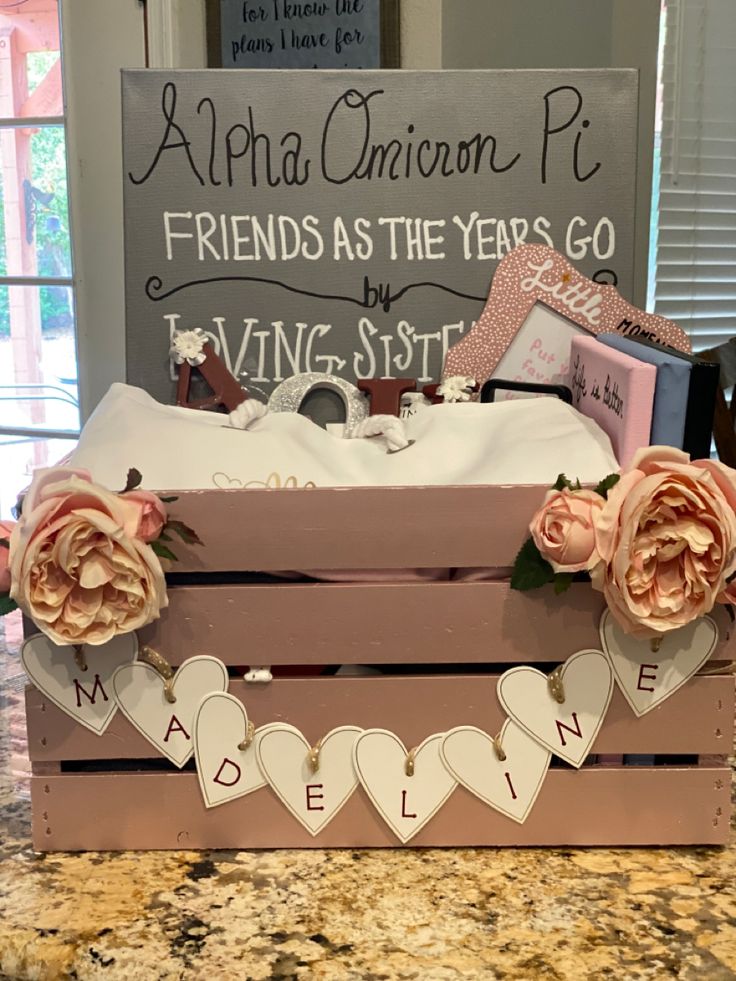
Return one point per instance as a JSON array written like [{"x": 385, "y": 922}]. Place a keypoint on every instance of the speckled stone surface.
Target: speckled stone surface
[{"x": 432, "y": 914}]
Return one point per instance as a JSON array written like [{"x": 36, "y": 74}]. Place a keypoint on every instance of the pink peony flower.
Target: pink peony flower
[
  {"x": 77, "y": 568},
  {"x": 153, "y": 514},
  {"x": 6, "y": 528},
  {"x": 49, "y": 475},
  {"x": 667, "y": 540},
  {"x": 563, "y": 529}
]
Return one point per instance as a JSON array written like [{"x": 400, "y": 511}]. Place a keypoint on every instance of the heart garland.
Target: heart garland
[
  {"x": 647, "y": 678},
  {"x": 84, "y": 693},
  {"x": 405, "y": 797},
  {"x": 569, "y": 728},
  {"x": 225, "y": 750},
  {"x": 509, "y": 782},
  {"x": 313, "y": 788},
  {"x": 407, "y": 788},
  {"x": 140, "y": 694}
]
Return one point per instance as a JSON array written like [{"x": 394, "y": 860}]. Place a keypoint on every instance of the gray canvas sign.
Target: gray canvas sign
[
  {"x": 350, "y": 222},
  {"x": 295, "y": 34}
]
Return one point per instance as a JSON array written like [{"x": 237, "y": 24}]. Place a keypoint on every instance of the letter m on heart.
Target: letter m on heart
[{"x": 81, "y": 690}]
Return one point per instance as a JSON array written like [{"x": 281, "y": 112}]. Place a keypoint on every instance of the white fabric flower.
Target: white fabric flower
[
  {"x": 188, "y": 345},
  {"x": 457, "y": 388}
]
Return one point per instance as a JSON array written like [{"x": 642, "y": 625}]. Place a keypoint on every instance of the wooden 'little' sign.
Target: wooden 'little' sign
[{"x": 350, "y": 222}]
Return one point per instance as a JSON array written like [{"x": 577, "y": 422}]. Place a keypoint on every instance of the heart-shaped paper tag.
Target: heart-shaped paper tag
[
  {"x": 647, "y": 678},
  {"x": 568, "y": 729},
  {"x": 225, "y": 771},
  {"x": 85, "y": 695},
  {"x": 510, "y": 785},
  {"x": 139, "y": 692},
  {"x": 313, "y": 796},
  {"x": 406, "y": 803}
]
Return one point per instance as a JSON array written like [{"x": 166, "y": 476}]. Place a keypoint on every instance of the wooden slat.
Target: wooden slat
[
  {"x": 399, "y": 623},
  {"x": 616, "y": 806},
  {"x": 697, "y": 719},
  {"x": 355, "y": 527}
]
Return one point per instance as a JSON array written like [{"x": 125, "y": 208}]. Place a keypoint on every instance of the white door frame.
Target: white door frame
[{"x": 99, "y": 38}]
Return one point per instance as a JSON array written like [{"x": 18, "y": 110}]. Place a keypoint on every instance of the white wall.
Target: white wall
[
  {"x": 567, "y": 34},
  {"x": 421, "y": 34}
]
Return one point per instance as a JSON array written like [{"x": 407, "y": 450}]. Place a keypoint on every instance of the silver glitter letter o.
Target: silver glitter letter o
[{"x": 290, "y": 394}]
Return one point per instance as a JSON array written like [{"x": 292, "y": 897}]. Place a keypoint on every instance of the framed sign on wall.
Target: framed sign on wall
[{"x": 315, "y": 34}]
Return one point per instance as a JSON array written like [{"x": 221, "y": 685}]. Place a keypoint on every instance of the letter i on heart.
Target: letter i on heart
[
  {"x": 508, "y": 782},
  {"x": 568, "y": 729}
]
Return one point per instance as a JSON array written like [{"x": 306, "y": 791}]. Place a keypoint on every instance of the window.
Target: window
[
  {"x": 695, "y": 268},
  {"x": 39, "y": 404}
]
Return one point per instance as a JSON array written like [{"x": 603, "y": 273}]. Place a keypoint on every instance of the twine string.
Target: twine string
[
  {"x": 159, "y": 664},
  {"x": 313, "y": 756},
  {"x": 498, "y": 748},
  {"x": 250, "y": 732},
  {"x": 556, "y": 687},
  {"x": 410, "y": 761}
]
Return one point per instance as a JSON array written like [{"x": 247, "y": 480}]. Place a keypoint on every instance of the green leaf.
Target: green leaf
[
  {"x": 132, "y": 481},
  {"x": 530, "y": 570},
  {"x": 188, "y": 535},
  {"x": 564, "y": 483},
  {"x": 163, "y": 552},
  {"x": 7, "y": 605},
  {"x": 607, "y": 483},
  {"x": 563, "y": 581},
  {"x": 168, "y": 500}
]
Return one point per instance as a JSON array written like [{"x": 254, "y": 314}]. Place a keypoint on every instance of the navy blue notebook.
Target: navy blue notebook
[
  {"x": 701, "y": 401},
  {"x": 671, "y": 391}
]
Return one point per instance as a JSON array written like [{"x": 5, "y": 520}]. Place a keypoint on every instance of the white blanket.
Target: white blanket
[{"x": 525, "y": 441}]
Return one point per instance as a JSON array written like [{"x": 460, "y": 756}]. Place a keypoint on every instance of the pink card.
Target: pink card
[{"x": 615, "y": 390}]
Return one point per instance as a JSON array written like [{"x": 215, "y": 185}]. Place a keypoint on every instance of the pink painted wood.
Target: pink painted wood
[
  {"x": 378, "y": 623},
  {"x": 355, "y": 527},
  {"x": 697, "y": 719},
  {"x": 598, "y": 806}
]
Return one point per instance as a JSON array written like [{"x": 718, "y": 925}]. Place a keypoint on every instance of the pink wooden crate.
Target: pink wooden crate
[{"x": 92, "y": 792}]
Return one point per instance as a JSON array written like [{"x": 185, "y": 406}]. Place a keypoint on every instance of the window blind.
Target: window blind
[{"x": 695, "y": 277}]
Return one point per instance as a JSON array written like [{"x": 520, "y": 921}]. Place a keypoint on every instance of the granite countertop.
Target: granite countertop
[{"x": 429, "y": 914}]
